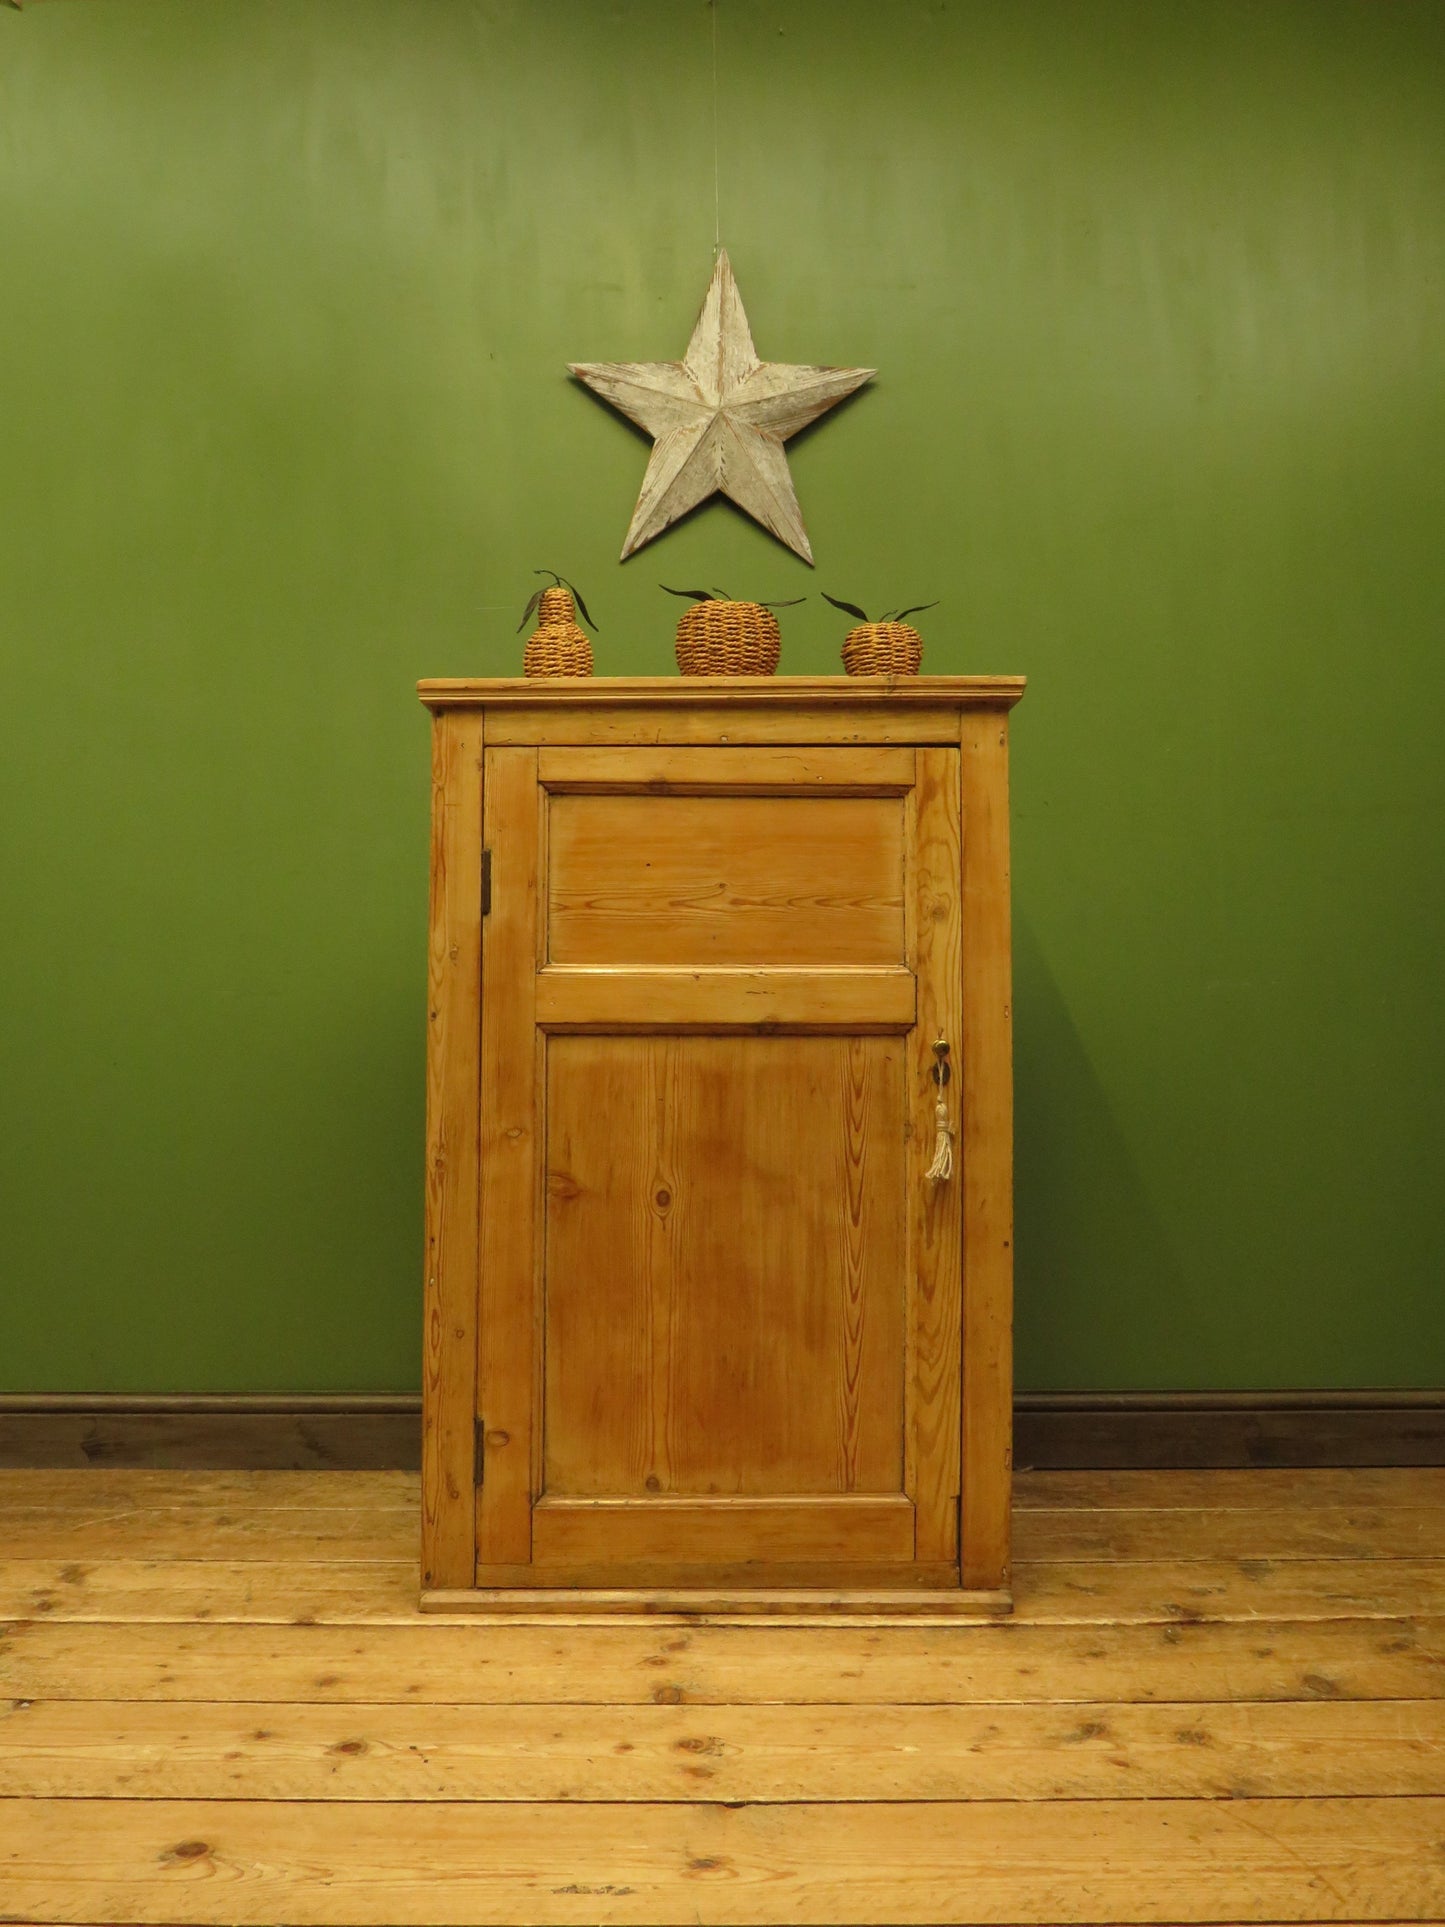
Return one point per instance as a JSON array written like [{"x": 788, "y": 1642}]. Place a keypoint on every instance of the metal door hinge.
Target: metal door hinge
[
  {"x": 479, "y": 1447},
  {"x": 958, "y": 1526},
  {"x": 486, "y": 881}
]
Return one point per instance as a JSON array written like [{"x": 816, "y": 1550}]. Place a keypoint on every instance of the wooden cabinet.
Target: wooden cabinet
[{"x": 701, "y": 1328}]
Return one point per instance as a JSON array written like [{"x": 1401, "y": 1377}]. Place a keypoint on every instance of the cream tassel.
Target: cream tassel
[{"x": 941, "y": 1169}]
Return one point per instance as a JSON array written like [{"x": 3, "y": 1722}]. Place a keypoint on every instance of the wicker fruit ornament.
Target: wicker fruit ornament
[
  {"x": 888, "y": 647},
  {"x": 557, "y": 646},
  {"x": 720, "y": 637}
]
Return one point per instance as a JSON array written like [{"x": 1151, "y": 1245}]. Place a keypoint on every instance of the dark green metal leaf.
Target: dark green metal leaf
[
  {"x": 848, "y": 608},
  {"x": 695, "y": 595},
  {"x": 916, "y": 610},
  {"x": 791, "y": 603},
  {"x": 526, "y": 613},
  {"x": 577, "y": 598}
]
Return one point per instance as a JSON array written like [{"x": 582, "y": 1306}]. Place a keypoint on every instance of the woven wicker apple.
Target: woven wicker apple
[
  {"x": 720, "y": 637},
  {"x": 888, "y": 647},
  {"x": 557, "y": 646}
]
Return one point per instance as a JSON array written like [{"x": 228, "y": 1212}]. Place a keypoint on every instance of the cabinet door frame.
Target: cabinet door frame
[
  {"x": 519, "y": 781},
  {"x": 513, "y": 1134}
]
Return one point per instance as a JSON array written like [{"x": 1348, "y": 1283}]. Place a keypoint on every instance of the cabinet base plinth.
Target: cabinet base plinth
[{"x": 763, "y": 1603}]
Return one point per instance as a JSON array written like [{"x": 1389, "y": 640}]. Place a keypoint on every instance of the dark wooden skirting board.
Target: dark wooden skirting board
[
  {"x": 1060, "y": 1431},
  {"x": 1099, "y": 1431},
  {"x": 342, "y": 1432}
]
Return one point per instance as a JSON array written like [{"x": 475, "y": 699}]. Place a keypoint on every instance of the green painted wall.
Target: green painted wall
[{"x": 1158, "y": 296}]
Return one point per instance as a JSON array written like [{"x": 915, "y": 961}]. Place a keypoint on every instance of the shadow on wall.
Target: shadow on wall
[{"x": 1105, "y": 1279}]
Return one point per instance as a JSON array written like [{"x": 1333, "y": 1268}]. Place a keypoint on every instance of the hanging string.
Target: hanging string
[{"x": 716, "y": 192}]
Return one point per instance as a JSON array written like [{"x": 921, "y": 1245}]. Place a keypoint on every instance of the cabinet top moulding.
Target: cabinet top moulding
[{"x": 718, "y": 692}]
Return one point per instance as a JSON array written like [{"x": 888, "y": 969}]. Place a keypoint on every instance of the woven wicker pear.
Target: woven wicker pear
[{"x": 557, "y": 646}]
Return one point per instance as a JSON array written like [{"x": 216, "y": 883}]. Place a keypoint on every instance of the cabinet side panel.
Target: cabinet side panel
[
  {"x": 935, "y": 1210},
  {"x": 453, "y": 1013},
  {"x": 987, "y": 1144},
  {"x": 511, "y": 1136}
]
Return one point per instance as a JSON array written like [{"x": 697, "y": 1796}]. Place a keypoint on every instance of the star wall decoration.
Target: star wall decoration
[{"x": 718, "y": 419}]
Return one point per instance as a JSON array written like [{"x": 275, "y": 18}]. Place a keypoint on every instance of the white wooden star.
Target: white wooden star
[{"x": 718, "y": 419}]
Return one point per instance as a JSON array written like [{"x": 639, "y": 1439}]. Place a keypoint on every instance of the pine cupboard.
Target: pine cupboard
[{"x": 719, "y": 987}]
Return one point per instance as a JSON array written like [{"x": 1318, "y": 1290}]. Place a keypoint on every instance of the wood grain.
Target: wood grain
[
  {"x": 512, "y": 1132},
  {"x": 934, "y": 1212},
  {"x": 679, "y": 1001},
  {"x": 668, "y": 718},
  {"x": 720, "y": 1532},
  {"x": 1321, "y": 1532},
  {"x": 1101, "y": 1751},
  {"x": 332, "y": 1531},
  {"x": 729, "y": 772},
  {"x": 472, "y": 1663},
  {"x": 1259, "y": 1488},
  {"x": 117, "y": 1492},
  {"x": 946, "y": 1861},
  {"x": 785, "y": 1382},
  {"x": 781, "y": 881},
  {"x": 869, "y": 696},
  {"x": 451, "y": 1199},
  {"x": 705, "y": 1212},
  {"x": 1186, "y": 1750},
  {"x": 793, "y": 1593},
  {"x": 987, "y": 1151},
  {"x": 1163, "y": 1592}
]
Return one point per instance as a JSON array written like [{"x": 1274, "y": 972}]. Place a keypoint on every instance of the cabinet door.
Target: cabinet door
[{"x": 719, "y": 1296}]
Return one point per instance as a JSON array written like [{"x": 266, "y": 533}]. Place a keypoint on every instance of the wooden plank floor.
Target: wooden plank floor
[{"x": 1221, "y": 1699}]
